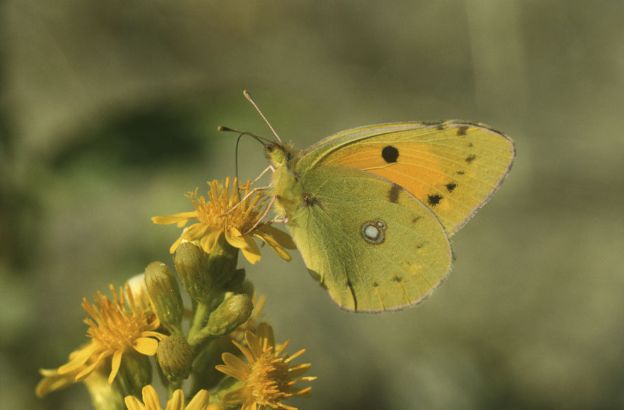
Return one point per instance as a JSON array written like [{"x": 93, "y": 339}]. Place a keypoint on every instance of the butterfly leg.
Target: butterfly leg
[
  {"x": 267, "y": 169},
  {"x": 278, "y": 220},
  {"x": 250, "y": 193},
  {"x": 264, "y": 214}
]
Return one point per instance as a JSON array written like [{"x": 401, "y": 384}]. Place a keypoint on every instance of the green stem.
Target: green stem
[{"x": 199, "y": 320}]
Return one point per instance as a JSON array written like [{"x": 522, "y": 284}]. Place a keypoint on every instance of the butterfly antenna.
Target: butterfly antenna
[
  {"x": 248, "y": 98},
  {"x": 241, "y": 134}
]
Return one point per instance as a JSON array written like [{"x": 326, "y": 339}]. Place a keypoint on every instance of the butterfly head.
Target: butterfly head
[{"x": 279, "y": 154}]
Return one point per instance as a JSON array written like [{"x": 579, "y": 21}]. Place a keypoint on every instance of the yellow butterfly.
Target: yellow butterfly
[{"x": 371, "y": 209}]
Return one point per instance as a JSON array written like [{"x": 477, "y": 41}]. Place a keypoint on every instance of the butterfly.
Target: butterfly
[{"x": 371, "y": 209}]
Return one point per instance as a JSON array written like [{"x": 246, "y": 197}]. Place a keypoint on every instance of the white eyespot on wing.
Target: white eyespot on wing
[{"x": 373, "y": 232}]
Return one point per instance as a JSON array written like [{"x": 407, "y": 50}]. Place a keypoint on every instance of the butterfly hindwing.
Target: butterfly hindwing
[
  {"x": 368, "y": 241},
  {"x": 453, "y": 167}
]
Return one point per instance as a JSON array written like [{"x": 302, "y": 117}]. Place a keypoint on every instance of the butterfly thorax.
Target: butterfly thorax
[{"x": 286, "y": 188}]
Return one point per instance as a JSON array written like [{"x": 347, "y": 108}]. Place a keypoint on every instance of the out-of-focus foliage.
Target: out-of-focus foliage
[{"x": 108, "y": 113}]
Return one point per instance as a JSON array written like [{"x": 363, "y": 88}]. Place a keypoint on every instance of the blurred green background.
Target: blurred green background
[{"x": 108, "y": 113}]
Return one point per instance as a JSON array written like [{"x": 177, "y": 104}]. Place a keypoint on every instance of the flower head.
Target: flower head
[
  {"x": 267, "y": 378},
  {"x": 151, "y": 401},
  {"x": 224, "y": 213},
  {"x": 116, "y": 327}
]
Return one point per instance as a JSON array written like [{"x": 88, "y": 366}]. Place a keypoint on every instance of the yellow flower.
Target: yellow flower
[
  {"x": 116, "y": 327},
  {"x": 225, "y": 213},
  {"x": 267, "y": 378},
  {"x": 151, "y": 401}
]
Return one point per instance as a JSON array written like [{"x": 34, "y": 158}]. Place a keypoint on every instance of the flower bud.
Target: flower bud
[
  {"x": 165, "y": 295},
  {"x": 247, "y": 288},
  {"x": 175, "y": 358},
  {"x": 235, "y": 280},
  {"x": 134, "y": 373},
  {"x": 203, "y": 275},
  {"x": 191, "y": 264},
  {"x": 232, "y": 312}
]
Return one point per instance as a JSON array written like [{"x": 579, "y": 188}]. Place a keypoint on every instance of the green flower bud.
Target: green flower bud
[
  {"x": 175, "y": 358},
  {"x": 134, "y": 373},
  {"x": 203, "y": 275},
  {"x": 232, "y": 312},
  {"x": 191, "y": 263},
  {"x": 247, "y": 288},
  {"x": 165, "y": 295},
  {"x": 235, "y": 281}
]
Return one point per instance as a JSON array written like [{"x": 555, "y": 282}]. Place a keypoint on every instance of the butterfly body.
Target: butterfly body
[{"x": 371, "y": 208}]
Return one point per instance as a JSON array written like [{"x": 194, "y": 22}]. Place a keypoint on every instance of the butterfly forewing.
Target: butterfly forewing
[{"x": 452, "y": 167}]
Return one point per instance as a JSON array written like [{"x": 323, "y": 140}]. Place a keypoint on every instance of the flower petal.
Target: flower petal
[
  {"x": 281, "y": 252},
  {"x": 145, "y": 345},
  {"x": 281, "y": 237},
  {"x": 176, "y": 402},
  {"x": 115, "y": 365},
  {"x": 200, "y": 401},
  {"x": 175, "y": 245},
  {"x": 195, "y": 231},
  {"x": 79, "y": 357},
  {"x": 209, "y": 240},
  {"x": 85, "y": 371},
  {"x": 150, "y": 398},
  {"x": 53, "y": 381},
  {"x": 150, "y": 333},
  {"x": 132, "y": 403},
  {"x": 234, "y": 366},
  {"x": 235, "y": 238},
  {"x": 245, "y": 243},
  {"x": 252, "y": 253},
  {"x": 179, "y": 218}
]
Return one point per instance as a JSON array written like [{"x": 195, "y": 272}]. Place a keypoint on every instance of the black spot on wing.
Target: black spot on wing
[
  {"x": 393, "y": 194},
  {"x": 463, "y": 130},
  {"x": 416, "y": 219},
  {"x": 460, "y": 172},
  {"x": 451, "y": 186},
  {"x": 434, "y": 199},
  {"x": 471, "y": 158},
  {"x": 390, "y": 154},
  {"x": 397, "y": 279}
]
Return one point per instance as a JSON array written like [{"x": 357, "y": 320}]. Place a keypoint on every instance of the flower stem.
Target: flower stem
[{"x": 200, "y": 317}]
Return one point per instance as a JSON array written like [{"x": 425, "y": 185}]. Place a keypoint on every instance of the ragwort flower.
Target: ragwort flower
[
  {"x": 116, "y": 327},
  {"x": 267, "y": 378},
  {"x": 223, "y": 213},
  {"x": 151, "y": 401}
]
